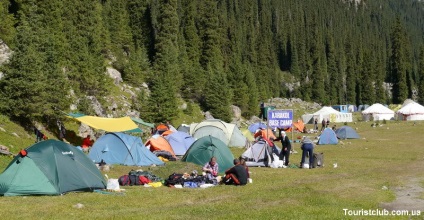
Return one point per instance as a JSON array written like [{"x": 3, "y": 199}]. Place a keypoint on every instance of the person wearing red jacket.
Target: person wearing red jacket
[{"x": 86, "y": 143}]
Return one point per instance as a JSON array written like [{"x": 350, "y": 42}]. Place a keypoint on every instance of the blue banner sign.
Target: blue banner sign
[{"x": 280, "y": 118}]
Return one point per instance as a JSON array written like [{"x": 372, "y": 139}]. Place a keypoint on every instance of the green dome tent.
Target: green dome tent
[
  {"x": 50, "y": 167},
  {"x": 201, "y": 151}
]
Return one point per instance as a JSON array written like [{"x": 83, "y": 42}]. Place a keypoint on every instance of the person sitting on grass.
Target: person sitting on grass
[
  {"x": 236, "y": 175},
  {"x": 211, "y": 169}
]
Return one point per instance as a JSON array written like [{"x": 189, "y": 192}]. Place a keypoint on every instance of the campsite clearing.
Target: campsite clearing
[{"x": 369, "y": 174}]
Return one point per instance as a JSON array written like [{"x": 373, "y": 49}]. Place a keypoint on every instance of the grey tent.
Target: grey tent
[
  {"x": 260, "y": 154},
  {"x": 346, "y": 132}
]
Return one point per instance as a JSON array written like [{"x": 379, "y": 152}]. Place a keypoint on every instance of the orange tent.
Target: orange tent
[
  {"x": 298, "y": 126},
  {"x": 166, "y": 133},
  {"x": 157, "y": 142},
  {"x": 266, "y": 133},
  {"x": 162, "y": 127}
]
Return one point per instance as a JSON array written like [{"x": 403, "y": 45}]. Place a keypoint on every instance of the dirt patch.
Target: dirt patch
[
  {"x": 410, "y": 195},
  {"x": 407, "y": 197}
]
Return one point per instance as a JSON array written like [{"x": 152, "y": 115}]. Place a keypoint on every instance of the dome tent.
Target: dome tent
[
  {"x": 203, "y": 149},
  {"x": 180, "y": 142},
  {"x": 328, "y": 137},
  {"x": 228, "y": 133},
  {"x": 50, "y": 167},
  {"x": 124, "y": 149},
  {"x": 346, "y": 132}
]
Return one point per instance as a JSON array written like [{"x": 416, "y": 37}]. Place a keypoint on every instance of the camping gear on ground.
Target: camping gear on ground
[
  {"x": 136, "y": 178},
  {"x": 346, "y": 132},
  {"x": 328, "y": 137},
  {"x": 50, "y": 167},
  {"x": 318, "y": 160},
  {"x": 124, "y": 149},
  {"x": 203, "y": 149},
  {"x": 259, "y": 154},
  {"x": 113, "y": 184}
]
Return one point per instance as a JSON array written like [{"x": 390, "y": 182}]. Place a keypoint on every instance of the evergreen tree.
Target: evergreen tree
[
  {"x": 167, "y": 80},
  {"x": 34, "y": 86},
  {"x": 217, "y": 94},
  {"x": 398, "y": 63},
  {"x": 332, "y": 70},
  {"x": 7, "y": 31},
  {"x": 350, "y": 76},
  {"x": 421, "y": 76},
  {"x": 194, "y": 75}
]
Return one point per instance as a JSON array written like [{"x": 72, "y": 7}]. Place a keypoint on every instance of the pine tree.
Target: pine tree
[
  {"x": 217, "y": 94},
  {"x": 421, "y": 76},
  {"x": 7, "y": 31},
  {"x": 398, "y": 63},
  {"x": 167, "y": 80},
  {"x": 350, "y": 76},
  {"x": 34, "y": 86}
]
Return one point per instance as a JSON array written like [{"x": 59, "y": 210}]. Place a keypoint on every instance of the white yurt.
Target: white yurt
[
  {"x": 411, "y": 112},
  {"x": 377, "y": 112}
]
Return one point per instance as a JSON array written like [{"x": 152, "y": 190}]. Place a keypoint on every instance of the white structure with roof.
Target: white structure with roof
[
  {"x": 327, "y": 113},
  {"x": 377, "y": 112}
]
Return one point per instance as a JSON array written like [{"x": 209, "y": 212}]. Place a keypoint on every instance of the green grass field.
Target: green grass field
[{"x": 388, "y": 155}]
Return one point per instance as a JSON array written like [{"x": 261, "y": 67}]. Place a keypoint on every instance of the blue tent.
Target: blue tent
[
  {"x": 346, "y": 132},
  {"x": 120, "y": 148},
  {"x": 255, "y": 126},
  {"x": 328, "y": 137},
  {"x": 180, "y": 141}
]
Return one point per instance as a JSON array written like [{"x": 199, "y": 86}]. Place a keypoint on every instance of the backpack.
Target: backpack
[
  {"x": 174, "y": 179},
  {"x": 124, "y": 180},
  {"x": 134, "y": 180},
  {"x": 318, "y": 160},
  {"x": 143, "y": 180}
]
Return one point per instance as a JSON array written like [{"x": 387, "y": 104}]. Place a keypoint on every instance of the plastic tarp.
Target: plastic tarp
[
  {"x": 124, "y": 124},
  {"x": 140, "y": 121}
]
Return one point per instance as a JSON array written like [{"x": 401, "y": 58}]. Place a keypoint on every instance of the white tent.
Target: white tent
[
  {"x": 378, "y": 112},
  {"x": 411, "y": 112},
  {"x": 327, "y": 113},
  {"x": 228, "y": 133}
]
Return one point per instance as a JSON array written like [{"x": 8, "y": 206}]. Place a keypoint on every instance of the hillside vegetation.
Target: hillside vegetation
[{"x": 211, "y": 53}]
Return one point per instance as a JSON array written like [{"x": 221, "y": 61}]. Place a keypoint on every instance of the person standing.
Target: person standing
[
  {"x": 316, "y": 124},
  {"x": 323, "y": 123},
  {"x": 307, "y": 150},
  {"x": 286, "y": 147}
]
